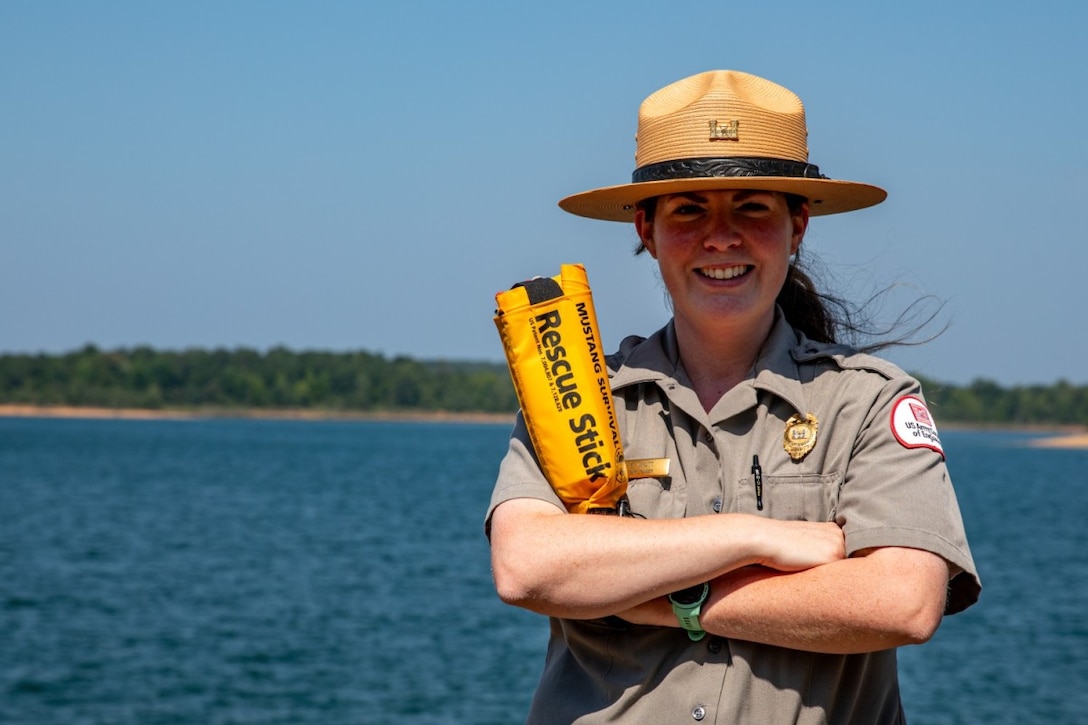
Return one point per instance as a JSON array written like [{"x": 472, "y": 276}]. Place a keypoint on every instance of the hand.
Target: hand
[{"x": 798, "y": 545}]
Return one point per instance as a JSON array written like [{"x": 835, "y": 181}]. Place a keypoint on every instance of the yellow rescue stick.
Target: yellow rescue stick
[{"x": 553, "y": 347}]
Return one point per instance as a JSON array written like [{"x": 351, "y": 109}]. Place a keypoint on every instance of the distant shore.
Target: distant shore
[
  {"x": 100, "y": 413},
  {"x": 1050, "y": 436},
  {"x": 1057, "y": 437},
  {"x": 1075, "y": 440}
]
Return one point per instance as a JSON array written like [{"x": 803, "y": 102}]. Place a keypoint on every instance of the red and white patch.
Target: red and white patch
[{"x": 913, "y": 426}]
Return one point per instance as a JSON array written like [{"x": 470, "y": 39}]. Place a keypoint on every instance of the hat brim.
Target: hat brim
[{"x": 825, "y": 196}]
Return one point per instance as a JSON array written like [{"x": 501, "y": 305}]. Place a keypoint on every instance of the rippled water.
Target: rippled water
[{"x": 286, "y": 572}]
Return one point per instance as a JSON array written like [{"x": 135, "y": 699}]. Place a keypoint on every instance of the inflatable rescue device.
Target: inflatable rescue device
[{"x": 553, "y": 347}]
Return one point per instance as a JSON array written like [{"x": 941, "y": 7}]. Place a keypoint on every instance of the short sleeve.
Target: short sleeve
[
  {"x": 897, "y": 491},
  {"x": 520, "y": 475}
]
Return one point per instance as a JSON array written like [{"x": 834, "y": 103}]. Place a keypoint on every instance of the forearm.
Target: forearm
[
  {"x": 590, "y": 566},
  {"x": 889, "y": 598}
]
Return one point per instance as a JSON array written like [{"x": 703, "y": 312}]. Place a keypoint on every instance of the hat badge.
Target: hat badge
[{"x": 724, "y": 131}]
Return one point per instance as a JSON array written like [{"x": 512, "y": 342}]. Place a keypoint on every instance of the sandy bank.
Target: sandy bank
[
  {"x": 66, "y": 411},
  {"x": 1077, "y": 440}
]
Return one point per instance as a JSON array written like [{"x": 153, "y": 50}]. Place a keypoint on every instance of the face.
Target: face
[{"x": 723, "y": 254}]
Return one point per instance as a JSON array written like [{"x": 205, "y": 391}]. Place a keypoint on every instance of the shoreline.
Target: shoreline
[
  {"x": 8, "y": 410},
  {"x": 1050, "y": 436},
  {"x": 1059, "y": 437},
  {"x": 1073, "y": 440}
]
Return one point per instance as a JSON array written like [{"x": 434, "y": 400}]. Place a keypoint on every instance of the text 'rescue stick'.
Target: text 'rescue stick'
[{"x": 553, "y": 347}]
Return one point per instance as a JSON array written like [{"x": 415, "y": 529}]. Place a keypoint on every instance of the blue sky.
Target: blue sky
[{"x": 351, "y": 175}]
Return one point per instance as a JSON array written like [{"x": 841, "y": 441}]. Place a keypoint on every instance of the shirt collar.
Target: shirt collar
[{"x": 656, "y": 359}]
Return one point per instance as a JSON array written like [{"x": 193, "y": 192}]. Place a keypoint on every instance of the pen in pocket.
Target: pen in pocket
[{"x": 757, "y": 475}]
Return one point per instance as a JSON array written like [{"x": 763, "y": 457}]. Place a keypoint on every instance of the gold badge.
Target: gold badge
[
  {"x": 800, "y": 435},
  {"x": 724, "y": 131}
]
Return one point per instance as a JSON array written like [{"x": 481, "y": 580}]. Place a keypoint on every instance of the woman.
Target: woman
[{"x": 807, "y": 526}]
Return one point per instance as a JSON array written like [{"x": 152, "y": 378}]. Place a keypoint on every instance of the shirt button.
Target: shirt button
[
  {"x": 714, "y": 645},
  {"x": 698, "y": 712},
  {"x": 717, "y": 505}
]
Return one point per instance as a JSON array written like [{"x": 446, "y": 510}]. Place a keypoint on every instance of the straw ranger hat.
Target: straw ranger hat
[{"x": 722, "y": 130}]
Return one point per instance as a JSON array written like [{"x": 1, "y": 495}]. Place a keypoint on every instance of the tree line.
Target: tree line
[
  {"x": 985, "y": 402},
  {"x": 247, "y": 379},
  {"x": 279, "y": 378}
]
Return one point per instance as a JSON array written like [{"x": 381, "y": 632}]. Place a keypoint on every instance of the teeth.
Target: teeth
[{"x": 725, "y": 273}]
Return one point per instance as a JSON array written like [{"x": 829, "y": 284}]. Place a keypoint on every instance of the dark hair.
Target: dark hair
[{"x": 827, "y": 318}]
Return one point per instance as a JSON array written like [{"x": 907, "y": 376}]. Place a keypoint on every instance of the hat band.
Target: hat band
[{"x": 724, "y": 167}]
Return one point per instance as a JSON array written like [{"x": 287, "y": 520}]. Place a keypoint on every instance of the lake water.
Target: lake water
[{"x": 336, "y": 572}]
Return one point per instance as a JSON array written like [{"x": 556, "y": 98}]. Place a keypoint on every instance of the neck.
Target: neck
[{"x": 718, "y": 359}]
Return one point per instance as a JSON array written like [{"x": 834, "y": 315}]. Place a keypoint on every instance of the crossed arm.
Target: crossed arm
[{"x": 785, "y": 583}]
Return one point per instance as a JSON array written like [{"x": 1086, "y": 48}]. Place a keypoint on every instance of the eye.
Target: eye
[
  {"x": 682, "y": 207},
  {"x": 688, "y": 209},
  {"x": 753, "y": 205}
]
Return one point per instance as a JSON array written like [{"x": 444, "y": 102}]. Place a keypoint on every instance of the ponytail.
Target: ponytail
[{"x": 805, "y": 308}]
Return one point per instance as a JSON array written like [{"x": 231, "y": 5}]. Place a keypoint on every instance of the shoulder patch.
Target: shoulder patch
[{"x": 913, "y": 426}]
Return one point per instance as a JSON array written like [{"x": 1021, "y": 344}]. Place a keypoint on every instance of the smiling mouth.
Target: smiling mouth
[{"x": 725, "y": 272}]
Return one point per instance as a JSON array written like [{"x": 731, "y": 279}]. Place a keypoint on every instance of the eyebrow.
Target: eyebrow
[
  {"x": 745, "y": 193},
  {"x": 700, "y": 197}
]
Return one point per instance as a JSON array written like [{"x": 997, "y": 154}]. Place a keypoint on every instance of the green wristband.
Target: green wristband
[{"x": 686, "y": 605}]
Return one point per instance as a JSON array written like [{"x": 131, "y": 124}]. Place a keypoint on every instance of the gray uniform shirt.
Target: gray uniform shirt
[{"x": 876, "y": 468}]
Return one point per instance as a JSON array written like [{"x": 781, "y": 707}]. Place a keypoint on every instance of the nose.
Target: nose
[{"x": 721, "y": 231}]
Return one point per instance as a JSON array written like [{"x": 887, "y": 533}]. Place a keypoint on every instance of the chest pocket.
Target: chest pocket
[{"x": 800, "y": 497}]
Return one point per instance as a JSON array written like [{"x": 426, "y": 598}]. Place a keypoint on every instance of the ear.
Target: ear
[
  {"x": 645, "y": 231},
  {"x": 800, "y": 225}
]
